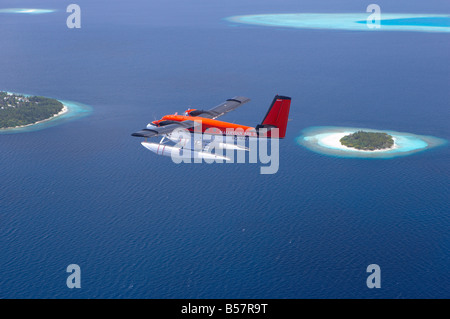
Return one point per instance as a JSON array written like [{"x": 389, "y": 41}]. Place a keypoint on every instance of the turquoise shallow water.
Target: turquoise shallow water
[
  {"x": 314, "y": 138},
  {"x": 350, "y": 21},
  {"x": 75, "y": 111},
  {"x": 421, "y": 22},
  {"x": 26, "y": 10}
]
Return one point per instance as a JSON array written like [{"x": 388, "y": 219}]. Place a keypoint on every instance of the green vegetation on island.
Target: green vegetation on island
[
  {"x": 368, "y": 141},
  {"x": 19, "y": 110}
]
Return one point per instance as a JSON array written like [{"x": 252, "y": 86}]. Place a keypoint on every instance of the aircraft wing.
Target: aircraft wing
[
  {"x": 221, "y": 109},
  {"x": 160, "y": 130}
]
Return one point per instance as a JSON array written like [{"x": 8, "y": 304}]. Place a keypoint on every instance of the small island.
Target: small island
[
  {"x": 368, "y": 141},
  {"x": 19, "y": 110},
  {"x": 327, "y": 140}
]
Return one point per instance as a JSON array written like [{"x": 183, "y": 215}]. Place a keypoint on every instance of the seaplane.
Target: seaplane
[{"x": 215, "y": 134}]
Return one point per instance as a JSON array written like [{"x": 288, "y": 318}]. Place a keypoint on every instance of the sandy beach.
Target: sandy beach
[
  {"x": 332, "y": 140},
  {"x": 326, "y": 140},
  {"x": 63, "y": 111}
]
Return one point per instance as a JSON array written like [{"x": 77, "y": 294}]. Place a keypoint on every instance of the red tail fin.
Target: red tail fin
[{"x": 277, "y": 115}]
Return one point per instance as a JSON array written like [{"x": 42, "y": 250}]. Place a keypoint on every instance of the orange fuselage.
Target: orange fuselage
[{"x": 211, "y": 126}]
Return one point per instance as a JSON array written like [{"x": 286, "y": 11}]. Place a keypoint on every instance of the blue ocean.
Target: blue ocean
[{"x": 86, "y": 192}]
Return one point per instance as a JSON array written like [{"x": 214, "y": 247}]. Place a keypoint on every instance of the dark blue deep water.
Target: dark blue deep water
[{"x": 140, "y": 226}]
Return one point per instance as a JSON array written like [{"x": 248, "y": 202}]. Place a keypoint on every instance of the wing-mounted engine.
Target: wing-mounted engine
[
  {"x": 188, "y": 112},
  {"x": 195, "y": 112},
  {"x": 199, "y": 113},
  {"x": 167, "y": 122}
]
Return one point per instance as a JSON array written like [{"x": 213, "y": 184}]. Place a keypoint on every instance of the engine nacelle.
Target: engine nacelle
[{"x": 188, "y": 112}]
